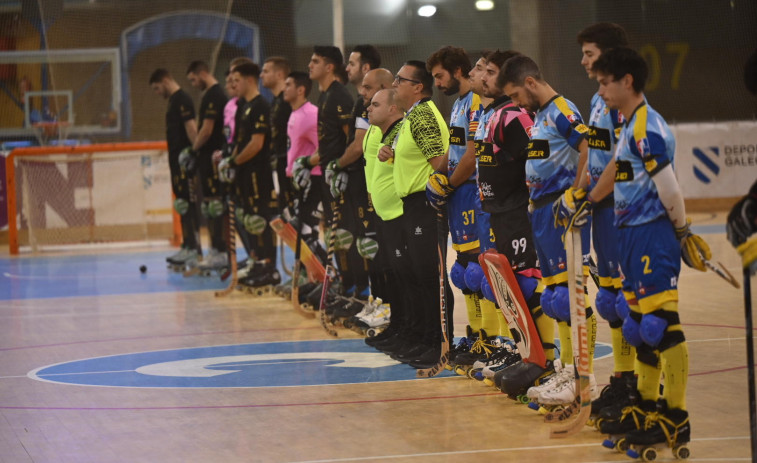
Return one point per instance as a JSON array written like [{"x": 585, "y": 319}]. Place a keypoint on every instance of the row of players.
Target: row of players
[{"x": 514, "y": 169}]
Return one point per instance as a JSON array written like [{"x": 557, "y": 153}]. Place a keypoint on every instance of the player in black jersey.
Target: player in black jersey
[
  {"x": 274, "y": 73},
  {"x": 209, "y": 139},
  {"x": 253, "y": 180},
  {"x": 181, "y": 130},
  {"x": 334, "y": 105},
  {"x": 346, "y": 176}
]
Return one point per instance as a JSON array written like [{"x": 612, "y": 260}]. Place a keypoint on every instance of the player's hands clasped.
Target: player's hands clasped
[
  {"x": 573, "y": 208},
  {"x": 438, "y": 189}
]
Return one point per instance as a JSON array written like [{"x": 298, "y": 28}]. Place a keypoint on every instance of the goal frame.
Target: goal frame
[{"x": 10, "y": 173}]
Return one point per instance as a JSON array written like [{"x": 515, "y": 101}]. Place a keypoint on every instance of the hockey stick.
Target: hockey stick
[
  {"x": 574, "y": 259},
  {"x": 297, "y": 256},
  {"x": 722, "y": 272},
  {"x": 750, "y": 360},
  {"x": 330, "y": 270},
  {"x": 287, "y": 270},
  {"x": 441, "y": 232},
  {"x": 232, "y": 250}
]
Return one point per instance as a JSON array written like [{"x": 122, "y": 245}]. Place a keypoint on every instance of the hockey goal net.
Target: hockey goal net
[{"x": 88, "y": 195}]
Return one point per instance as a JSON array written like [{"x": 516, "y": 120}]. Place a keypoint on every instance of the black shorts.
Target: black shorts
[
  {"x": 212, "y": 187},
  {"x": 179, "y": 181},
  {"x": 254, "y": 189},
  {"x": 358, "y": 215},
  {"x": 514, "y": 239}
]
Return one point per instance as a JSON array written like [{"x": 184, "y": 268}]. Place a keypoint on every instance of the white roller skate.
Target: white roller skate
[
  {"x": 215, "y": 262},
  {"x": 375, "y": 319},
  {"x": 558, "y": 376},
  {"x": 564, "y": 391}
]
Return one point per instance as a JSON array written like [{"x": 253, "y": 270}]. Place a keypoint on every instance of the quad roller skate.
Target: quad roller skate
[
  {"x": 184, "y": 260},
  {"x": 462, "y": 346},
  {"x": 504, "y": 356},
  {"x": 262, "y": 284},
  {"x": 373, "y": 319},
  {"x": 664, "y": 428},
  {"x": 632, "y": 417},
  {"x": 356, "y": 302},
  {"x": 176, "y": 261},
  {"x": 482, "y": 349},
  {"x": 310, "y": 295},
  {"x": 285, "y": 289},
  {"x": 215, "y": 263},
  {"x": 498, "y": 362},
  {"x": 556, "y": 398},
  {"x": 518, "y": 377},
  {"x": 615, "y": 396}
]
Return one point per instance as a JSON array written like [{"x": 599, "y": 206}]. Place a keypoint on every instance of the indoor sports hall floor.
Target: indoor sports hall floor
[{"x": 99, "y": 363}]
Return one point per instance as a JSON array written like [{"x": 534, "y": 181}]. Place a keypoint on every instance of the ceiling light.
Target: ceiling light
[
  {"x": 427, "y": 11},
  {"x": 484, "y": 5}
]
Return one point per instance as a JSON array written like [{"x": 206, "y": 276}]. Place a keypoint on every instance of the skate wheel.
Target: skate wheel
[
  {"x": 598, "y": 423},
  {"x": 371, "y": 332},
  {"x": 462, "y": 371},
  {"x": 449, "y": 367},
  {"x": 472, "y": 373},
  {"x": 681, "y": 452},
  {"x": 621, "y": 445},
  {"x": 524, "y": 399},
  {"x": 649, "y": 454}
]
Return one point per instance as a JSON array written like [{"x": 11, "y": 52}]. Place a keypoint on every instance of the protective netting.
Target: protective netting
[
  {"x": 696, "y": 49},
  {"x": 93, "y": 195}
]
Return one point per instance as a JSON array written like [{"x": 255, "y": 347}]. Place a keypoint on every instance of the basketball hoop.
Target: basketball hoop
[{"x": 50, "y": 130}]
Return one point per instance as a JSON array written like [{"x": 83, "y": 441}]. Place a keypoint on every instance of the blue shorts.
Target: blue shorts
[
  {"x": 464, "y": 208},
  {"x": 605, "y": 237},
  {"x": 485, "y": 230},
  {"x": 550, "y": 248},
  {"x": 650, "y": 258}
]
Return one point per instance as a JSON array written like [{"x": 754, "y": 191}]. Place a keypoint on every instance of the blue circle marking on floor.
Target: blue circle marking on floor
[{"x": 301, "y": 363}]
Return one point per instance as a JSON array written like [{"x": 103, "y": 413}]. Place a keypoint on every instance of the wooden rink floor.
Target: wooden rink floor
[{"x": 285, "y": 407}]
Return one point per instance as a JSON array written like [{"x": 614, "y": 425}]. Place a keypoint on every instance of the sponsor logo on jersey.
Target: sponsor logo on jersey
[
  {"x": 624, "y": 172},
  {"x": 457, "y": 136},
  {"x": 599, "y": 138},
  {"x": 643, "y": 146},
  {"x": 537, "y": 149}
]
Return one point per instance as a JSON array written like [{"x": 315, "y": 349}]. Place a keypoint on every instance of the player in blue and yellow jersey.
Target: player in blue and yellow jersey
[
  {"x": 654, "y": 235},
  {"x": 604, "y": 128},
  {"x": 556, "y": 158},
  {"x": 501, "y": 154},
  {"x": 457, "y": 190}
]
